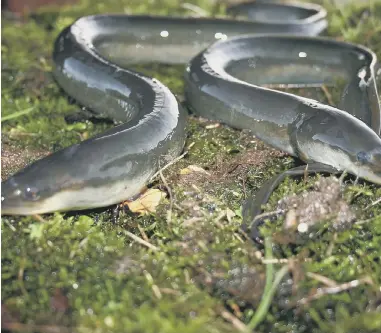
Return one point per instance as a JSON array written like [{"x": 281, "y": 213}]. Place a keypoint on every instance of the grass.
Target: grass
[{"x": 80, "y": 272}]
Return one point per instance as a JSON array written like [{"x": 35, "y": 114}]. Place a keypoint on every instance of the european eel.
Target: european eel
[{"x": 229, "y": 64}]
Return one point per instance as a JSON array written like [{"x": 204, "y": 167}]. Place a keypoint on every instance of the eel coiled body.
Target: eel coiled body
[{"x": 233, "y": 65}]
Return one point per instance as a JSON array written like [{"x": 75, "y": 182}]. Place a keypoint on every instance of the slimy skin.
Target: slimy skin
[{"x": 222, "y": 82}]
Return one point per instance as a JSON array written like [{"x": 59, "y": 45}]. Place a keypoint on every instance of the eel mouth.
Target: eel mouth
[
  {"x": 369, "y": 174},
  {"x": 16, "y": 207}
]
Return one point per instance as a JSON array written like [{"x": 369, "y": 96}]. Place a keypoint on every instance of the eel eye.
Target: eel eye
[
  {"x": 31, "y": 193},
  {"x": 363, "y": 157}
]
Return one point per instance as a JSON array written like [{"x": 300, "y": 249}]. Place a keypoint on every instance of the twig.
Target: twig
[
  {"x": 236, "y": 310},
  {"x": 168, "y": 165},
  {"x": 275, "y": 261},
  {"x": 238, "y": 238},
  {"x": 239, "y": 325},
  {"x": 334, "y": 290},
  {"x": 244, "y": 234},
  {"x": 268, "y": 214},
  {"x": 170, "y": 195},
  {"x": 328, "y": 282},
  {"x": 142, "y": 232},
  {"x": 373, "y": 203},
  {"x": 327, "y": 94},
  {"x": 195, "y": 9},
  {"x": 282, "y": 261},
  {"x": 141, "y": 241}
]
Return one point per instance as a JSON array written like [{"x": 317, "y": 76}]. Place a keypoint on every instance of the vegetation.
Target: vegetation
[{"x": 188, "y": 267}]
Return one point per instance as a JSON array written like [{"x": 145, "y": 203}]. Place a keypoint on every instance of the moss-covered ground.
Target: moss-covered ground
[{"x": 187, "y": 267}]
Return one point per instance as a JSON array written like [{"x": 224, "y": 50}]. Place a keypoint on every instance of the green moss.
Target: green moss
[{"x": 84, "y": 271}]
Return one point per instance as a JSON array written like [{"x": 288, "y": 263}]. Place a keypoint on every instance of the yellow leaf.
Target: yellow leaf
[
  {"x": 193, "y": 168},
  {"x": 213, "y": 126},
  {"x": 185, "y": 171},
  {"x": 147, "y": 202}
]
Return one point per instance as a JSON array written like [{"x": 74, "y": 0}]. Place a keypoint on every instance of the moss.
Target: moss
[{"x": 85, "y": 272}]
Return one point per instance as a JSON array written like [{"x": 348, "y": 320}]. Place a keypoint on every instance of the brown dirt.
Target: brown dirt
[
  {"x": 13, "y": 158},
  {"x": 27, "y": 6}
]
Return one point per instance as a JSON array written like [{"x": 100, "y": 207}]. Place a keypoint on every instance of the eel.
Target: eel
[{"x": 231, "y": 67}]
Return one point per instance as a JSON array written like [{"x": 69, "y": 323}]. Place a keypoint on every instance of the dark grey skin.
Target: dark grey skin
[{"x": 91, "y": 57}]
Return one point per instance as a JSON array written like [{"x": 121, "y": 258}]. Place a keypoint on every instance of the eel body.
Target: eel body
[{"x": 231, "y": 65}]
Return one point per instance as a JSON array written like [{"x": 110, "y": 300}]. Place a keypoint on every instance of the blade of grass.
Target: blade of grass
[
  {"x": 270, "y": 287},
  {"x": 18, "y": 114}
]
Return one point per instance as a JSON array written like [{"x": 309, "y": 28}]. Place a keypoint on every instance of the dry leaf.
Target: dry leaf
[
  {"x": 147, "y": 202},
  {"x": 213, "y": 126},
  {"x": 193, "y": 168}
]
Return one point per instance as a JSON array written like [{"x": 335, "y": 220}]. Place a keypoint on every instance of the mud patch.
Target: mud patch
[
  {"x": 236, "y": 167},
  {"x": 307, "y": 211}
]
